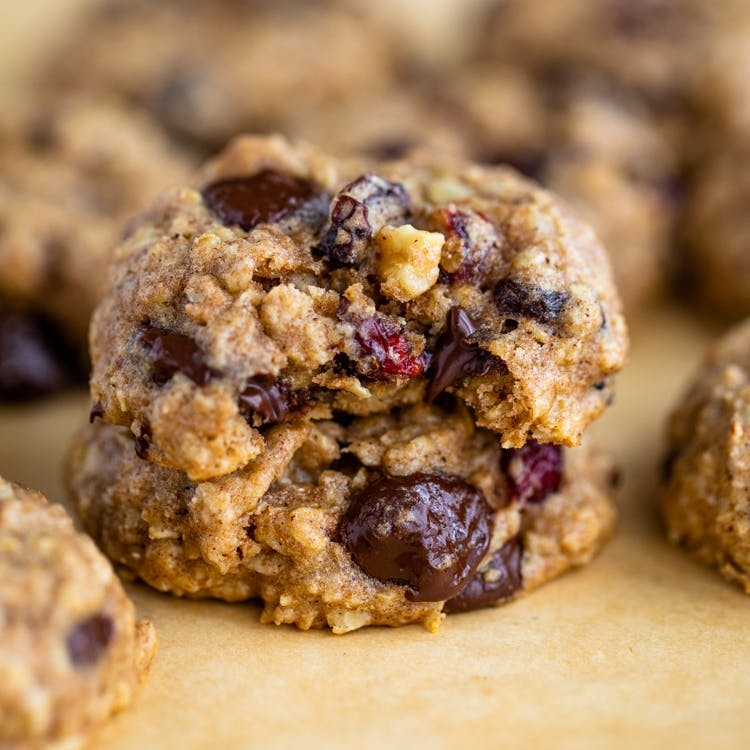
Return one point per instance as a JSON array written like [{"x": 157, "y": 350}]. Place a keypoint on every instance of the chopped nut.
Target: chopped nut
[{"x": 409, "y": 260}]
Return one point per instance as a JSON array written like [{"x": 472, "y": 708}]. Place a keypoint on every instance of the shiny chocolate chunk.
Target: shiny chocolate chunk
[
  {"x": 501, "y": 579},
  {"x": 518, "y": 301},
  {"x": 32, "y": 358},
  {"x": 88, "y": 640},
  {"x": 456, "y": 357},
  {"x": 260, "y": 199},
  {"x": 424, "y": 531},
  {"x": 357, "y": 213},
  {"x": 264, "y": 400},
  {"x": 173, "y": 353},
  {"x": 534, "y": 471}
]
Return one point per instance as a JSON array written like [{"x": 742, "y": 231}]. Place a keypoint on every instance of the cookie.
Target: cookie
[
  {"x": 705, "y": 494},
  {"x": 716, "y": 233},
  {"x": 591, "y": 143},
  {"x": 71, "y": 174},
  {"x": 289, "y": 283},
  {"x": 71, "y": 649},
  {"x": 209, "y": 69},
  {"x": 385, "y": 519}
]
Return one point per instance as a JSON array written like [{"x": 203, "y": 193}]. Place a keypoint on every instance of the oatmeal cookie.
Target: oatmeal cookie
[
  {"x": 707, "y": 470},
  {"x": 71, "y": 174},
  {"x": 71, "y": 650},
  {"x": 288, "y": 282},
  {"x": 209, "y": 69},
  {"x": 379, "y": 520}
]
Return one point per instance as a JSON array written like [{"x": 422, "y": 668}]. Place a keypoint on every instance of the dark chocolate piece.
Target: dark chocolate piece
[
  {"x": 88, "y": 640},
  {"x": 517, "y": 300},
  {"x": 173, "y": 353}
]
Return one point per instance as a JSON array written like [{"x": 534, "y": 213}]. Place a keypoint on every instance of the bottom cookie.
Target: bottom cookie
[
  {"x": 381, "y": 520},
  {"x": 71, "y": 650}
]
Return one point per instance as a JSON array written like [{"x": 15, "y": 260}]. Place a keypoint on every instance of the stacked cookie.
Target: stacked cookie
[{"x": 351, "y": 388}]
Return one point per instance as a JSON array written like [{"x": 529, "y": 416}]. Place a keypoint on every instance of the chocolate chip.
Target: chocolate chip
[
  {"x": 456, "y": 357},
  {"x": 515, "y": 299},
  {"x": 263, "y": 198},
  {"x": 501, "y": 579},
  {"x": 143, "y": 442},
  {"x": 88, "y": 640},
  {"x": 357, "y": 212},
  {"x": 534, "y": 471},
  {"x": 264, "y": 400},
  {"x": 97, "y": 412},
  {"x": 33, "y": 360},
  {"x": 173, "y": 353},
  {"x": 424, "y": 531}
]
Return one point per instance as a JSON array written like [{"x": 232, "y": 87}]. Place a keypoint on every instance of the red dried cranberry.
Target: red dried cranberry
[
  {"x": 173, "y": 353},
  {"x": 456, "y": 357},
  {"x": 386, "y": 344},
  {"x": 502, "y": 578},
  {"x": 534, "y": 471},
  {"x": 424, "y": 531},
  {"x": 262, "y": 198},
  {"x": 88, "y": 640}
]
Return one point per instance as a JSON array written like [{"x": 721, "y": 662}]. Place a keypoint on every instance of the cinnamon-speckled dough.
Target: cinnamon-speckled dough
[
  {"x": 706, "y": 498},
  {"x": 272, "y": 529},
  {"x": 71, "y": 650},
  {"x": 349, "y": 300},
  {"x": 72, "y": 173},
  {"x": 209, "y": 69}
]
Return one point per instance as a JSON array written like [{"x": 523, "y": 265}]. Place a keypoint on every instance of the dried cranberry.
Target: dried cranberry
[
  {"x": 262, "y": 198},
  {"x": 387, "y": 350},
  {"x": 266, "y": 399},
  {"x": 456, "y": 357},
  {"x": 514, "y": 299},
  {"x": 534, "y": 471},
  {"x": 501, "y": 579},
  {"x": 358, "y": 211},
  {"x": 173, "y": 353},
  {"x": 88, "y": 640},
  {"x": 424, "y": 531}
]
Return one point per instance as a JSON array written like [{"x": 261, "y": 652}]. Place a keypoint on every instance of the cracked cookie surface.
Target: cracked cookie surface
[
  {"x": 288, "y": 283},
  {"x": 380, "y": 520},
  {"x": 71, "y": 649}
]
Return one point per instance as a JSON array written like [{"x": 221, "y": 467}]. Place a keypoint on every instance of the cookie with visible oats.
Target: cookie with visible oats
[
  {"x": 71, "y": 649},
  {"x": 385, "y": 519}
]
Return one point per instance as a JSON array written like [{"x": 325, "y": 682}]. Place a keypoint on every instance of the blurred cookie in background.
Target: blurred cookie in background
[
  {"x": 208, "y": 69},
  {"x": 593, "y": 144},
  {"x": 72, "y": 173}
]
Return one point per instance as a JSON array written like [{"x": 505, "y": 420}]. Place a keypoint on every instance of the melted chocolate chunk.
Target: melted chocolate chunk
[
  {"x": 501, "y": 579},
  {"x": 357, "y": 213},
  {"x": 173, "y": 353},
  {"x": 143, "y": 442},
  {"x": 261, "y": 199},
  {"x": 456, "y": 357},
  {"x": 33, "y": 360},
  {"x": 534, "y": 471},
  {"x": 517, "y": 300},
  {"x": 88, "y": 640},
  {"x": 265, "y": 399},
  {"x": 424, "y": 531}
]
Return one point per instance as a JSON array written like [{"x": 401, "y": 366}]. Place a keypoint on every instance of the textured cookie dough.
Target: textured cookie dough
[
  {"x": 72, "y": 173},
  {"x": 290, "y": 282},
  {"x": 592, "y": 144},
  {"x": 716, "y": 232},
  {"x": 707, "y": 470},
  {"x": 71, "y": 649},
  {"x": 209, "y": 69},
  {"x": 323, "y": 526}
]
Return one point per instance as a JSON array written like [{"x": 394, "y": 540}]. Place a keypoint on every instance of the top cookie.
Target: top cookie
[
  {"x": 290, "y": 281},
  {"x": 209, "y": 69}
]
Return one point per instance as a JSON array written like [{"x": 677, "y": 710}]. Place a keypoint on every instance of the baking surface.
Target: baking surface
[{"x": 642, "y": 648}]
